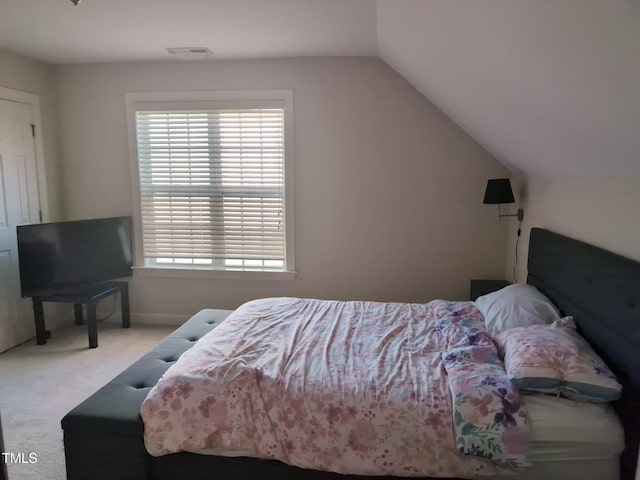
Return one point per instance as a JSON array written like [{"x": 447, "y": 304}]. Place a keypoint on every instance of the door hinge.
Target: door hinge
[{"x": 33, "y": 129}]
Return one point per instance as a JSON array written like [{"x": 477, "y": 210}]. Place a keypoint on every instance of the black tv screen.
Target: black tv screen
[{"x": 63, "y": 255}]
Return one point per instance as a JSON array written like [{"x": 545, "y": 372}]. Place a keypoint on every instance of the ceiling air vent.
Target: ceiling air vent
[{"x": 190, "y": 52}]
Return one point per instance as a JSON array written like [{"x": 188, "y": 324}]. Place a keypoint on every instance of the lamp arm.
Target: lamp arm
[{"x": 519, "y": 214}]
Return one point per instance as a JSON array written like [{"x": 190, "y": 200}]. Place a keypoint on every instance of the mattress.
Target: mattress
[{"x": 572, "y": 439}]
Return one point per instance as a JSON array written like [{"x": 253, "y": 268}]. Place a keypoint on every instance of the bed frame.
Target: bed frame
[
  {"x": 103, "y": 435},
  {"x": 601, "y": 290}
]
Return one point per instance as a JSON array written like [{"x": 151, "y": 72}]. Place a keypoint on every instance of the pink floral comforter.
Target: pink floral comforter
[{"x": 349, "y": 387}]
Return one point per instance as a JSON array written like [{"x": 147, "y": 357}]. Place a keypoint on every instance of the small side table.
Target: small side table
[
  {"x": 482, "y": 287},
  {"x": 88, "y": 295}
]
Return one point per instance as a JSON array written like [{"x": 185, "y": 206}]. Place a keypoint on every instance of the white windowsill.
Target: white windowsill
[{"x": 210, "y": 274}]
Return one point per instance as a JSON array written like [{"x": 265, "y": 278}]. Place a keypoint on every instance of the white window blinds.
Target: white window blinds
[{"x": 212, "y": 187}]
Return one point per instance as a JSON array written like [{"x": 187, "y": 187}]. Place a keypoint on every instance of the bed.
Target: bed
[{"x": 103, "y": 436}]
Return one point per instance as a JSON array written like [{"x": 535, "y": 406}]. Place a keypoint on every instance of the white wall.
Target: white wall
[
  {"x": 388, "y": 190},
  {"x": 28, "y": 75},
  {"x": 600, "y": 211}
]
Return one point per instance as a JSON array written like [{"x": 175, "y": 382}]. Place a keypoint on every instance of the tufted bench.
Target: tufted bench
[{"x": 103, "y": 435}]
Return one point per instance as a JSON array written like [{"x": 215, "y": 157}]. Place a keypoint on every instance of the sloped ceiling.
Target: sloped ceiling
[{"x": 548, "y": 87}]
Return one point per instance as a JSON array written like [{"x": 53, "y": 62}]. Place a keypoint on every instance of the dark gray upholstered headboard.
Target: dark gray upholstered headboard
[{"x": 601, "y": 290}]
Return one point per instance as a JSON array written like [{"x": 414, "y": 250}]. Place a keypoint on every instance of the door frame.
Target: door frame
[{"x": 33, "y": 99}]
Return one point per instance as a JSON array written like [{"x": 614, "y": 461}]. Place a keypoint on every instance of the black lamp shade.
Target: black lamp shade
[{"x": 498, "y": 191}]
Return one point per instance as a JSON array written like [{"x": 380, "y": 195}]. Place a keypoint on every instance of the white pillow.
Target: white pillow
[{"x": 515, "y": 305}]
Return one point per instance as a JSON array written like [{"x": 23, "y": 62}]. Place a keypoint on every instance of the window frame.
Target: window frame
[{"x": 144, "y": 101}]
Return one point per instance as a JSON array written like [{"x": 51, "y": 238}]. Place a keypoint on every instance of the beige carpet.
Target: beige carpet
[{"x": 39, "y": 384}]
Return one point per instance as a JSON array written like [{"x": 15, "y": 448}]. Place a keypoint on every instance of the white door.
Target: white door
[{"x": 19, "y": 204}]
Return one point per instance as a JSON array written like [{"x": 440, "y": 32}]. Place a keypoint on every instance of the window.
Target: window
[{"x": 212, "y": 181}]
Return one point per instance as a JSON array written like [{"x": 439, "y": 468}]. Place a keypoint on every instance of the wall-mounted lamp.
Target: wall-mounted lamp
[{"x": 499, "y": 191}]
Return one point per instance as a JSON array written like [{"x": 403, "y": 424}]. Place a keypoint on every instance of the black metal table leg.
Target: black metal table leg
[
  {"x": 38, "y": 316},
  {"x": 124, "y": 300},
  {"x": 77, "y": 308},
  {"x": 92, "y": 325}
]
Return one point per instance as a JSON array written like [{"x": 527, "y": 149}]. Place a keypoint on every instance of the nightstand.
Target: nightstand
[{"x": 482, "y": 287}]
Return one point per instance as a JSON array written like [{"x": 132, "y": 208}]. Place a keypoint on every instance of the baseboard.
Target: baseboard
[{"x": 168, "y": 319}]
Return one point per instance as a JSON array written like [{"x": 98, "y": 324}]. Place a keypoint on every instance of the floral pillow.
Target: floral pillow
[{"x": 556, "y": 359}]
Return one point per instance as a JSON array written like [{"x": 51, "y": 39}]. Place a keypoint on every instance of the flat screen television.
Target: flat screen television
[{"x": 59, "y": 256}]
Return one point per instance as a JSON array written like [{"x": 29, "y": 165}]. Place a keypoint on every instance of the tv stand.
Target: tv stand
[{"x": 88, "y": 295}]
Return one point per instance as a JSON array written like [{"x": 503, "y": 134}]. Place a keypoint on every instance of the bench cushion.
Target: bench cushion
[
  {"x": 106, "y": 430},
  {"x": 115, "y": 408}
]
